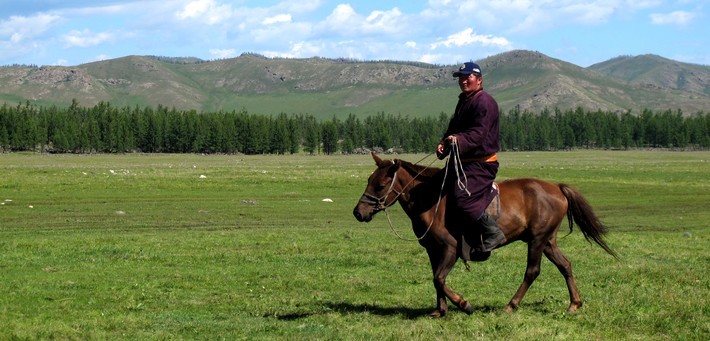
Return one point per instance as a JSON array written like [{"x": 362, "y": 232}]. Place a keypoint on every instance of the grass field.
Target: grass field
[{"x": 244, "y": 247}]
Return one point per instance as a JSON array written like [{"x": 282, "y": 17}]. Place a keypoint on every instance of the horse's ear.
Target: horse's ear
[{"x": 377, "y": 159}]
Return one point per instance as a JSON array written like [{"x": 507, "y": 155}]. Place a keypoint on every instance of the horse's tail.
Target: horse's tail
[{"x": 580, "y": 211}]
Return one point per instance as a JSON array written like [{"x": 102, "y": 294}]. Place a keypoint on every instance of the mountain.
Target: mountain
[
  {"x": 657, "y": 72},
  {"x": 535, "y": 81},
  {"x": 337, "y": 87}
]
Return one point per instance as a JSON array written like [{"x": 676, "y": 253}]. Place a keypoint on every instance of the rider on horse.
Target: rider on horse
[{"x": 472, "y": 136}]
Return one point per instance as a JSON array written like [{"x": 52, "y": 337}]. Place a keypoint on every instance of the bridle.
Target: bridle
[{"x": 380, "y": 203}]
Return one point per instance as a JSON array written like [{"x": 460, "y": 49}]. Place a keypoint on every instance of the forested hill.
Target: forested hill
[{"x": 327, "y": 88}]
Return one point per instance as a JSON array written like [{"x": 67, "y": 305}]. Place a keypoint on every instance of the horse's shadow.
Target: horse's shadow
[{"x": 346, "y": 308}]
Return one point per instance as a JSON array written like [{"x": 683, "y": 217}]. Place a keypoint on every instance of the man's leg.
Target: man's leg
[{"x": 491, "y": 234}]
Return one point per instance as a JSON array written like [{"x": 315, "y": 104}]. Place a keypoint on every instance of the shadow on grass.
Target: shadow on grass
[{"x": 407, "y": 313}]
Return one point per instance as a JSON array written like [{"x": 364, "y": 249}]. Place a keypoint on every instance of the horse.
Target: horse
[{"x": 531, "y": 210}]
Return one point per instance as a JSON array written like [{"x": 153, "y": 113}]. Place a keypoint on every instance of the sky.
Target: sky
[{"x": 442, "y": 32}]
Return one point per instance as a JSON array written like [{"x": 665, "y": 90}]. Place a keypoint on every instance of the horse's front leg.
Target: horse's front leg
[
  {"x": 435, "y": 260},
  {"x": 442, "y": 261}
]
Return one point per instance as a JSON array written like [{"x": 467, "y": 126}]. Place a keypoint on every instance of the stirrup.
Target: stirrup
[{"x": 479, "y": 256}]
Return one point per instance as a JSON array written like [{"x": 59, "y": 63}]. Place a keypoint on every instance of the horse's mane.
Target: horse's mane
[{"x": 425, "y": 172}]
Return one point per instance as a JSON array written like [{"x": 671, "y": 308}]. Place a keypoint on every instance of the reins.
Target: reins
[
  {"x": 436, "y": 210},
  {"x": 382, "y": 205},
  {"x": 380, "y": 202},
  {"x": 458, "y": 166}
]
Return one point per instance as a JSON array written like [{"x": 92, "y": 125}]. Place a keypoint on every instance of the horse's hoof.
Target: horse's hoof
[
  {"x": 509, "y": 309},
  {"x": 467, "y": 307},
  {"x": 573, "y": 308},
  {"x": 437, "y": 314}
]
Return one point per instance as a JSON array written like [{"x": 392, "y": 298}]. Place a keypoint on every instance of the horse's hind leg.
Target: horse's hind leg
[{"x": 555, "y": 255}]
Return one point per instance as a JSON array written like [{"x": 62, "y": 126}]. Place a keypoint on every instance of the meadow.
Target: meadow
[{"x": 185, "y": 246}]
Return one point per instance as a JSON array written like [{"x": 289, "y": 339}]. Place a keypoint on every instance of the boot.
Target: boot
[
  {"x": 470, "y": 246},
  {"x": 491, "y": 234}
]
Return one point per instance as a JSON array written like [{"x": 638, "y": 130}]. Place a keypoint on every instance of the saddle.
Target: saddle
[
  {"x": 469, "y": 245},
  {"x": 494, "y": 208}
]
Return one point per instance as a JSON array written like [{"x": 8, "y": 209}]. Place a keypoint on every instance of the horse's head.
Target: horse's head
[{"x": 380, "y": 192}]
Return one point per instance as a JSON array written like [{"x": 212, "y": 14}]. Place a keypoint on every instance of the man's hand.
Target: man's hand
[
  {"x": 441, "y": 152},
  {"x": 444, "y": 147}
]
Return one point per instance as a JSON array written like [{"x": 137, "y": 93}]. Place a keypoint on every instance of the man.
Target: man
[{"x": 473, "y": 131}]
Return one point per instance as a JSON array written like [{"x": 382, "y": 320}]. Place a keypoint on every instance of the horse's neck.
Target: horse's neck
[
  {"x": 419, "y": 193},
  {"x": 419, "y": 201},
  {"x": 406, "y": 181}
]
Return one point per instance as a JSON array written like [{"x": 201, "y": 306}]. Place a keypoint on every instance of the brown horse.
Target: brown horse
[{"x": 532, "y": 211}]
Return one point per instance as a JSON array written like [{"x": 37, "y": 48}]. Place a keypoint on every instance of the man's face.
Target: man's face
[{"x": 469, "y": 83}]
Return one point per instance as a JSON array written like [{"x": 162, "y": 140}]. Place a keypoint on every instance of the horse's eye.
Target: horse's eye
[{"x": 382, "y": 185}]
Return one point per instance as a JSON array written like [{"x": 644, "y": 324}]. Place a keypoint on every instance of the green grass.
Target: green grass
[{"x": 142, "y": 247}]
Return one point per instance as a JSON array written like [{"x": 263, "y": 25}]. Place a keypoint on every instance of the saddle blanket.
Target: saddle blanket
[{"x": 494, "y": 207}]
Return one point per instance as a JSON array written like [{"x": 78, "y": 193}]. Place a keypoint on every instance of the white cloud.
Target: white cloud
[
  {"x": 343, "y": 18},
  {"x": 641, "y": 4},
  {"x": 384, "y": 21},
  {"x": 85, "y": 38},
  {"x": 531, "y": 17},
  {"x": 345, "y": 21},
  {"x": 281, "y": 18},
  {"x": 439, "y": 3},
  {"x": 301, "y": 6},
  {"x": 680, "y": 18},
  {"x": 194, "y": 9},
  {"x": 301, "y": 49},
  {"x": 588, "y": 12},
  {"x": 223, "y": 53},
  {"x": 434, "y": 58},
  {"x": 468, "y": 37},
  {"x": 281, "y": 35},
  {"x": 207, "y": 11},
  {"x": 435, "y": 31},
  {"x": 98, "y": 9},
  {"x": 19, "y": 28},
  {"x": 534, "y": 17},
  {"x": 306, "y": 49}
]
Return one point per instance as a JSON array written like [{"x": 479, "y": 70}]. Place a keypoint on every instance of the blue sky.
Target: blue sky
[{"x": 57, "y": 32}]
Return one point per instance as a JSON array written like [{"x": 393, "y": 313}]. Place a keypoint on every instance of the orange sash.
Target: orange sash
[{"x": 487, "y": 158}]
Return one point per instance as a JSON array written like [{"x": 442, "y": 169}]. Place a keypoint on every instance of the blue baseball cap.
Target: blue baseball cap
[{"x": 467, "y": 69}]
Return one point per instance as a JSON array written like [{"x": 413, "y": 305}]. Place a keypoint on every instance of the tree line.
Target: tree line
[
  {"x": 579, "y": 128},
  {"x": 104, "y": 128}
]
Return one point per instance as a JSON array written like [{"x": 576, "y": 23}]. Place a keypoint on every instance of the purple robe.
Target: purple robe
[{"x": 475, "y": 124}]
